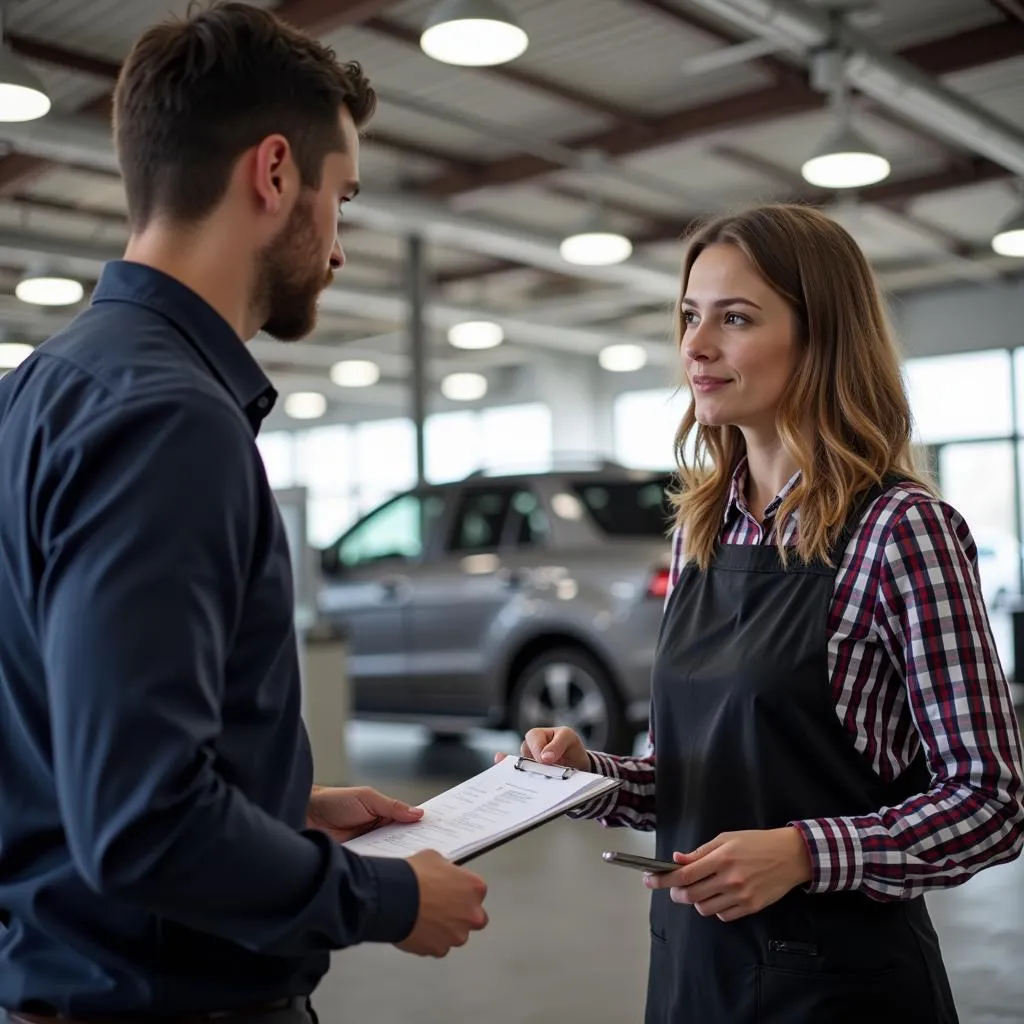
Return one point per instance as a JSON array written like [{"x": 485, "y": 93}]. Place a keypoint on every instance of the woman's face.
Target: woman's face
[{"x": 739, "y": 344}]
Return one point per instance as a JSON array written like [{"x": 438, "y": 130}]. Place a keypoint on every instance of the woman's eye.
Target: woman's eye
[
  {"x": 735, "y": 319},
  {"x": 689, "y": 316}
]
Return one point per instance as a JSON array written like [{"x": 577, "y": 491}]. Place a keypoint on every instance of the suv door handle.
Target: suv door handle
[
  {"x": 396, "y": 588},
  {"x": 513, "y": 578}
]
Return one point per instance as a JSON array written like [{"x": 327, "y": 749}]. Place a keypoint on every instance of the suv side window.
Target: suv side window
[
  {"x": 397, "y": 531},
  {"x": 480, "y": 520},
  {"x": 530, "y": 525}
]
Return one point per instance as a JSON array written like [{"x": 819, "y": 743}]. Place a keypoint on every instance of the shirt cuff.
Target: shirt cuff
[
  {"x": 837, "y": 856},
  {"x": 398, "y": 898},
  {"x": 601, "y": 806}
]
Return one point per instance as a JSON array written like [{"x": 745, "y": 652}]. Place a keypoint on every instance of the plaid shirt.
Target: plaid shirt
[{"x": 911, "y": 661}]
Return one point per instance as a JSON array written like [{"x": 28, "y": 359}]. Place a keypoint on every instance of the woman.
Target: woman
[{"x": 832, "y": 735}]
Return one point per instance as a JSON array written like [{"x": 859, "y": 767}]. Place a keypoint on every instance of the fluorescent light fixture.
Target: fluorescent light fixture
[
  {"x": 13, "y": 354},
  {"x": 305, "y": 405},
  {"x": 845, "y": 160},
  {"x": 476, "y": 334},
  {"x": 355, "y": 373},
  {"x": 596, "y": 248},
  {"x": 464, "y": 387},
  {"x": 1009, "y": 240},
  {"x": 42, "y": 290},
  {"x": 472, "y": 33},
  {"x": 22, "y": 95},
  {"x": 622, "y": 358}
]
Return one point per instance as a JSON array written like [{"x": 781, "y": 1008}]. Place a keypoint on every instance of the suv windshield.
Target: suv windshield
[{"x": 627, "y": 508}]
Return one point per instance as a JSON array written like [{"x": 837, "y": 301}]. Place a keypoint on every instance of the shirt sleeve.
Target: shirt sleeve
[
  {"x": 632, "y": 805},
  {"x": 148, "y": 525},
  {"x": 930, "y": 617}
]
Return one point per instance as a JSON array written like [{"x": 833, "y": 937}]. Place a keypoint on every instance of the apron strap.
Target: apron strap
[{"x": 861, "y": 505}]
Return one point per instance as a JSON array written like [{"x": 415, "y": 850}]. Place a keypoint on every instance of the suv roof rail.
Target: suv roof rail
[{"x": 560, "y": 462}]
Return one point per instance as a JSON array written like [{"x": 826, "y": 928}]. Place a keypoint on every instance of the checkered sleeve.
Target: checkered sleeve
[
  {"x": 632, "y": 804},
  {"x": 930, "y": 617}
]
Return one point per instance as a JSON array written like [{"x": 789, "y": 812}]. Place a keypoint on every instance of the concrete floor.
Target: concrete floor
[{"x": 568, "y": 940}]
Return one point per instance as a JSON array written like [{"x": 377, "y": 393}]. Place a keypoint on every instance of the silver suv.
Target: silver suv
[{"x": 506, "y": 602}]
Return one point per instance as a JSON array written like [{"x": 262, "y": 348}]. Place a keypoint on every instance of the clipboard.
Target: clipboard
[{"x": 505, "y": 801}]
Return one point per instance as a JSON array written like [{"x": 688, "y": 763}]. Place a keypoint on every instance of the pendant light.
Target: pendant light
[
  {"x": 23, "y": 96},
  {"x": 845, "y": 159},
  {"x": 1009, "y": 240},
  {"x": 472, "y": 33},
  {"x": 43, "y": 289},
  {"x": 474, "y": 335}
]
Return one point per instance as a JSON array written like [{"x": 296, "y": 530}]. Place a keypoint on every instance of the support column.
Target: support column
[
  {"x": 575, "y": 391},
  {"x": 417, "y": 330}
]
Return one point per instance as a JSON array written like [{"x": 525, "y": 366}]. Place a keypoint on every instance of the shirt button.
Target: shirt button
[{"x": 263, "y": 402}]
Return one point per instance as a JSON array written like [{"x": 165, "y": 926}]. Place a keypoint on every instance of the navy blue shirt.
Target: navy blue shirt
[{"x": 154, "y": 769}]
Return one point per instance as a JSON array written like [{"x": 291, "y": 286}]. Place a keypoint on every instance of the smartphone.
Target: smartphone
[{"x": 633, "y": 860}]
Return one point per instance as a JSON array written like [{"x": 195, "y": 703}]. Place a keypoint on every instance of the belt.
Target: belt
[{"x": 252, "y": 1010}]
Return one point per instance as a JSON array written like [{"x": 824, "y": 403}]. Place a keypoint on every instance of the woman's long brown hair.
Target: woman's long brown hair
[{"x": 847, "y": 384}]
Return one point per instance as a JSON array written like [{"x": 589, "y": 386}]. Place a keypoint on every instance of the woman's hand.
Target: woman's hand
[
  {"x": 738, "y": 873},
  {"x": 559, "y": 746},
  {"x": 344, "y": 813}
]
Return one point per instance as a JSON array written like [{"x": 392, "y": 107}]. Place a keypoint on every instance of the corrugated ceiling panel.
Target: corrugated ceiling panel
[{"x": 105, "y": 28}]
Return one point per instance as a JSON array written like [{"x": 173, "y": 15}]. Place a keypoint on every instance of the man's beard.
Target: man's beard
[{"x": 290, "y": 277}]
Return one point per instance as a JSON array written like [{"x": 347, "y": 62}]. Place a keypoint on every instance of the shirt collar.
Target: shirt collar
[
  {"x": 205, "y": 329},
  {"x": 737, "y": 503}
]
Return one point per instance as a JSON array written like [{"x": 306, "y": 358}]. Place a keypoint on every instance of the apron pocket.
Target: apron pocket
[{"x": 787, "y": 996}]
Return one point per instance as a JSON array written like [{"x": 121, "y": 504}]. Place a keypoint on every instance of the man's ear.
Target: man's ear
[{"x": 274, "y": 175}]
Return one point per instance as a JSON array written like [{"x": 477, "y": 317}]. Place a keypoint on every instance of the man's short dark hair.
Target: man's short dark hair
[{"x": 194, "y": 94}]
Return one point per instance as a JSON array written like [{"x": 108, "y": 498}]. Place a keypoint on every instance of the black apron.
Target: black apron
[{"x": 747, "y": 737}]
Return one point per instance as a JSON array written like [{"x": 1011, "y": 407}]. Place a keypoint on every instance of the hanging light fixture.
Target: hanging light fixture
[
  {"x": 464, "y": 387},
  {"x": 49, "y": 290},
  {"x": 22, "y": 95},
  {"x": 1009, "y": 240},
  {"x": 13, "y": 354},
  {"x": 622, "y": 358},
  {"x": 472, "y": 33},
  {"x": 476, "y": 334},
  {"x": 355, "y": 373},
  {"x": 845, "y": 159},
  {"x": 595, "y": 248},
  {"x": 305, "y": 405}
]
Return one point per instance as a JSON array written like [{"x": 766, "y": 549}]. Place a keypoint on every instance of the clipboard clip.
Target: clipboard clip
[{"x": 549, "y": 771}]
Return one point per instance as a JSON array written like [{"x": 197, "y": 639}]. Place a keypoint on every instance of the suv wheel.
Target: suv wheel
[{"x": 564, "y": 686}]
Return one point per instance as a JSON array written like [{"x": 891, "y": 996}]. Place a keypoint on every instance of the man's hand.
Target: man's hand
[
  {"x": 451, "y": 906},
  {"x": 738, "y": 873},
  {"x": 559, "y": 746},
  {"x": 349, "y": 812}
]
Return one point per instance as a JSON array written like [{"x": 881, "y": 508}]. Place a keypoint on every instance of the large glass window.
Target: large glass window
[
  {"x": 961, "y": 397},
  {"x": 645, "y": 425}
]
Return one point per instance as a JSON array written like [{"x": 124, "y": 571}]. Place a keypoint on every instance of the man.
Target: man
[{"x": 162, "y": 852}]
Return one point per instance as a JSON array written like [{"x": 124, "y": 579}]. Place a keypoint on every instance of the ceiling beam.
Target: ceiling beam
[
  {"x": 1011, "y": 8},
  {"x": 318, "y": 17},
  {"x": 321, "y": 17},
  {"x": 519, "y": 76},
  {"x": 942, "y": 56}
]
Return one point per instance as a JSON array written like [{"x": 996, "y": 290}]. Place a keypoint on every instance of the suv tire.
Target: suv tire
[{"x": 567, "y": 686}]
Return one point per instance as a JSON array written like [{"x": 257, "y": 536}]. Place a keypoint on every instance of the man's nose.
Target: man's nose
[{"x": 337, "y": 256}]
